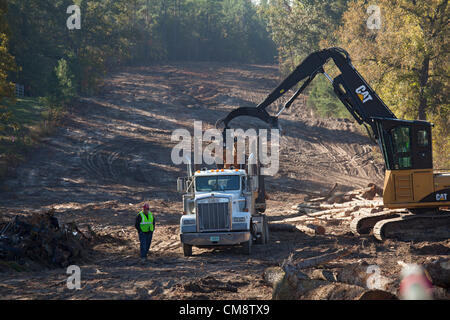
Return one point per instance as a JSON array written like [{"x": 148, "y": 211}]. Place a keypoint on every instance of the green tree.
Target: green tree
[
  {"x": 299, "y": 26},
  {"x": 244, "y": 33},
  {"x": 324, "y": 101},
  {"x": 38, "y": 41},
  {"x": 62, "y": 85},
  {"x": 7, "y": 65}
]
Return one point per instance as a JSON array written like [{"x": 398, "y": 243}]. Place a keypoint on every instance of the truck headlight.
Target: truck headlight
[
  {"x": 239, "y": 219},
  {"x": 187, "y": 222}
]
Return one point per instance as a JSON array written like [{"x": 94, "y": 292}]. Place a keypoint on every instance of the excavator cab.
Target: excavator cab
[
  {"x": 406, "y": 147},
  {"x": 405, "y": 144}
]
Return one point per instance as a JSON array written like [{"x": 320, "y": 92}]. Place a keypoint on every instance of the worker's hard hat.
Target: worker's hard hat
[{"x": 146, "y": 206}]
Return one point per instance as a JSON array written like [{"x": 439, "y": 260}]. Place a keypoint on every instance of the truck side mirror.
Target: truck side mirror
[{"x": 188, "y": 204}]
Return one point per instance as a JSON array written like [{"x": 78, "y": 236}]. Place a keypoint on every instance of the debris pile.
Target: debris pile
[{"x": 42, "y": 240}]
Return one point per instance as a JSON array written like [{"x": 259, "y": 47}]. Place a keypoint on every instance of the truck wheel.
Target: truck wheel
[
  {"x": 187, "y": 250},
  {"x": 260, "y": 237},
  {"x": 248, "y": 246},
  {"x": 264, "y": 236}
]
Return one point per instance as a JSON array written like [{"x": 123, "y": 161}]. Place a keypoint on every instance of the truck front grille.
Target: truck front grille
[{"x": 213, "y": 216}]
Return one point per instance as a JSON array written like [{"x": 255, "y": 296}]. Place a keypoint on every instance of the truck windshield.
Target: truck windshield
[{"x": 217, "y": 183}]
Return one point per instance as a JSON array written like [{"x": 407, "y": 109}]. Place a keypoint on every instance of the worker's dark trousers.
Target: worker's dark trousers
[{"x": 145, "y": 239}]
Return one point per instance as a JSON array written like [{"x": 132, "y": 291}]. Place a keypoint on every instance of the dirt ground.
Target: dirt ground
[{"x": 113, "y": 152}]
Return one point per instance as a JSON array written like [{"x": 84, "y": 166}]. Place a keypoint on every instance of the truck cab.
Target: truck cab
[{"x": 219, "y": 209}]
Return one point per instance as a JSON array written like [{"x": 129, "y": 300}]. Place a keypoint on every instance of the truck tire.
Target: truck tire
[
  {"x": 264, "y": 236},
  {"x": 260, "y": 236},
  {"x": 247, "y": 248},
  {"x": 187, "y": 250}
]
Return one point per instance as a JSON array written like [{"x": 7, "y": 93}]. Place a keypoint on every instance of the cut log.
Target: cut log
[
  {"x": 378, "y": 190},
  {"x": 337, "y": 198},
  {"x": 311, "y": 289},
  {"x": 323, "y": 212},
  {"x": 295, "y": 219},
  {"x": 377, "y": 295},
  {"x": 273, "y": 275},
  {"x": 308, "y": 206},
  {"x": 439, "y": 272},
  {"x": 290, "y": 266},
  {"x": 364, "y": 275},
  {"x": 307, "y": 210},
  {"x": 330, "y": 193},
  {"x": 282, "y": 227},
  {"x": 311, "y": 229},
  {"x": 370, "y": 193},
  {"x": 351, "y": 209},
  {"x": 333, "y": 291},
  {"x": 361, "y": 203},
  {"x": 353, "y": 205},
  {"x": 441, "y": 293},
  {"x": 292, "y": 287},
  {"x": 322, "y": 274},
  {"x": 317, "y": 199}
]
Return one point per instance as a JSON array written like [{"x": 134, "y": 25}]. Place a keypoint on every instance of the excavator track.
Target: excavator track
[
  {"x": 365, "y": 223},
  {"x": 415, "y": 227}
]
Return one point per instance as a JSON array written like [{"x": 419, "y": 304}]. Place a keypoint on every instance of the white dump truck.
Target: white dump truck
[{"x": 223, "y": 207}]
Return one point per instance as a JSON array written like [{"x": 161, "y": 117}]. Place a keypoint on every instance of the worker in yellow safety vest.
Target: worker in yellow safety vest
[{"x": 145, "y": 225}]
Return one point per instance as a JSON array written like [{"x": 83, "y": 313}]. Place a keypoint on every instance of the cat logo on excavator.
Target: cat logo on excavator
[
  {"x": 363, "y": 94},
  {"x": 441, "y": 196}
]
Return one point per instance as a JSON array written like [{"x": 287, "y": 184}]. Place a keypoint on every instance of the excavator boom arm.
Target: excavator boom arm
[{"x": 350, "y": 87}]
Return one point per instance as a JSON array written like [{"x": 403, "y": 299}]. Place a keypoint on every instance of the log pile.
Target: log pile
[
  {"x": 42, "y": 240},
  {"x": 320, "y": 277},
  {"x": 312, "y": 216},
  {"x": 332, "y": 196},
  {"x": 302, "y": 280},
  {"x": 307, "y": 279}
]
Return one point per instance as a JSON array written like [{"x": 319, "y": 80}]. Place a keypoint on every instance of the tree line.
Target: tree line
[
  {"x": 56, "y": 63},
  {"x": 118, "y": 32}
]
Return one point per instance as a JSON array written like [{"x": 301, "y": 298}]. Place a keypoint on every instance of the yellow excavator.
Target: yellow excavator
[{"x": 410, "y": 181}]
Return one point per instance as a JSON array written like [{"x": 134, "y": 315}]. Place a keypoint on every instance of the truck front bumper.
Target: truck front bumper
[{"x": 215, "y": 238}]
